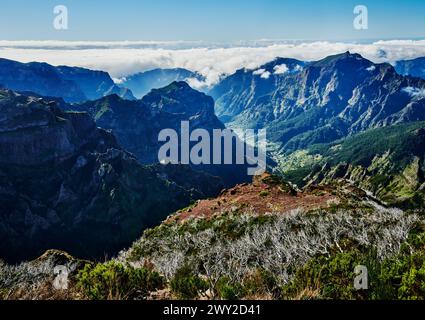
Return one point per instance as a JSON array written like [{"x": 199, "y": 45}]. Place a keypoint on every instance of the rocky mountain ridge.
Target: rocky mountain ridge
[{"x": 73, "y": 84}]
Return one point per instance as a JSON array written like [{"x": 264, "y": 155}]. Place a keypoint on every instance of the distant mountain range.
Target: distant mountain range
[
  {"x": 142, "y": 83},
  {"x": 73, "y": 84},
  {"x": 320, "y": 101}
]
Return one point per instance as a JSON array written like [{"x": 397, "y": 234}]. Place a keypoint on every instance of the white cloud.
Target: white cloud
[
  {"x": 262, "y": 73},
  {"x": 415, "y": 92},
  {"x": 259, "y": 72},
  {"x": 280, "y": 69},
  {"x": 371, "y": 68},
  {"x": 196, "y": 83},
  {"x": 211, "y": 60},
  {"x": 266, "y": 75},
  {"x": 119, "y": 80}
]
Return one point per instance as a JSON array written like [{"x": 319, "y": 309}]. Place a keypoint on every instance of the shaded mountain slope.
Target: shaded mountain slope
[
  {"x": 414, "y": 67},
  {"x": 64, "y": 183}
]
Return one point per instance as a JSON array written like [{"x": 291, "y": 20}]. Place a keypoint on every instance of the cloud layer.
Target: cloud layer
[{"x": 212, "y": 60}]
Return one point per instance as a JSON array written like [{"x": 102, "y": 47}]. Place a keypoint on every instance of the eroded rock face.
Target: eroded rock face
[{"x": 66, "y": 184}]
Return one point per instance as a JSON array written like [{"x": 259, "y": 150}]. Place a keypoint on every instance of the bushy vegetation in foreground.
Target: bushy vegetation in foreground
[
  {"x": 115, "y": 281},
  {"x": 297, "y": 255}
]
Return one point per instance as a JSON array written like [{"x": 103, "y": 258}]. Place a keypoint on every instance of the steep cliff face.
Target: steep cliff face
[
  {"x": 64, "y": 183},
  {"x": 242, "y": 91},
  {"x": 95, "y": 84},
  {"x": 34, "y": 131},
  {"x": 138, "y": 123}
]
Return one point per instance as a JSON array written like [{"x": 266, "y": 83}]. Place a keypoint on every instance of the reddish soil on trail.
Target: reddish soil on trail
[{"x": 264, "y": 195}]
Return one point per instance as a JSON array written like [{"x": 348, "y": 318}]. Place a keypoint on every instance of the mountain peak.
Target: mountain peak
[
  {"x": 279, "y": 61},
  {"x": 142, "y": 83},
  {"x": 73, "y": 84},
  {"x": 342, "y": 57},
  {"x": 177, "y": 85}
]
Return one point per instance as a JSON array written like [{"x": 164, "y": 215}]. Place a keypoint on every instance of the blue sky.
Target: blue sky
[{"x": 211, "y": 20}]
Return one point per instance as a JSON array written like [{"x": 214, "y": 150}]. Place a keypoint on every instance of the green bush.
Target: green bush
[
  {"x": 114, "y": 281},
  {"x": 187, "y": 285},
  {"x": 333, "y": 277},
  {"x": 264, "y": 193},
  {"x": 227, "y": 290},
  {"x": 406, "y": 274},
  {"x": 399, "y": 277},
  {"x": 261, "y": 283}
]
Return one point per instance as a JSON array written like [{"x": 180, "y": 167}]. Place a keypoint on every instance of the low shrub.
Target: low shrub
[
  {"x": 114, "y": 281},
  {"x": 187, "y": 285},
  {"x": 228, "y": 290}
]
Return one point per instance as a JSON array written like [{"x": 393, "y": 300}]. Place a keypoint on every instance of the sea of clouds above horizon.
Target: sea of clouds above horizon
[{"x": 212, "y": 60}]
